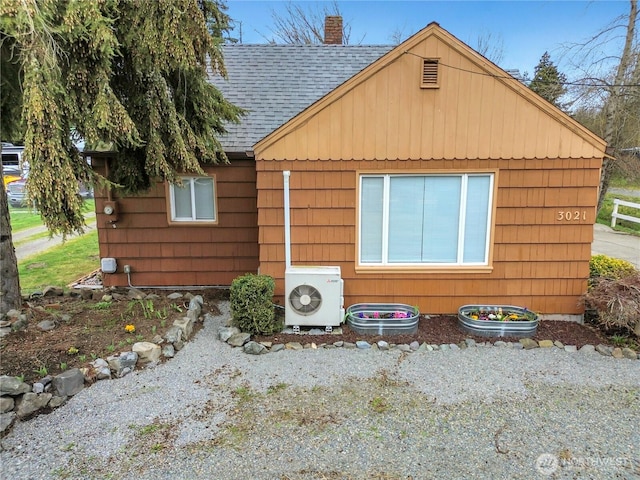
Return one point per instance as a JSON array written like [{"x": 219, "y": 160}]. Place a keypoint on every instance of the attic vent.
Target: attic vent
[{"x": 429, "y": 73}]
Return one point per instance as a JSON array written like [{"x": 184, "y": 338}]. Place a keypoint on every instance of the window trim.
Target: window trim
[
  {"x": 426, "y": 267},
  {"x": 169, "y": 188}
]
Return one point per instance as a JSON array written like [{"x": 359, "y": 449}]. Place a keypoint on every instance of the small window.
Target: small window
[
  {"x": 194, "y": 201},
  {"x": 429, "y": 73}
]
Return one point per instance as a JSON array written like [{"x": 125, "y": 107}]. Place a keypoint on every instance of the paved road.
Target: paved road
[{"x": 25, "y": 249}]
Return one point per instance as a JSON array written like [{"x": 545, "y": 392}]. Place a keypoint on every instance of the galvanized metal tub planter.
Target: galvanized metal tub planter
[
  {"x": 497, "y": 320},
  {"x": 383, "y": 318}
]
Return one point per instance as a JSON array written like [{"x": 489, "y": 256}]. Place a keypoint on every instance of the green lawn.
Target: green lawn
[
  {"x": 26, "y": 217},
  {"x": 604, "y": 216},
  {"x": 60, "y": 265}
]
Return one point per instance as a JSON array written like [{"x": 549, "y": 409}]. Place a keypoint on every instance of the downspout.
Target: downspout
[{"x": 287, "y": 220}]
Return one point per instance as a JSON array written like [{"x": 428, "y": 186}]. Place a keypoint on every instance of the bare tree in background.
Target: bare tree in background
[
  {"x": 611, "y": 100},
  {"x": 304, "y": 26},
  {"x": 490, "y": 46},
  {"x": 399, "y": 35}
]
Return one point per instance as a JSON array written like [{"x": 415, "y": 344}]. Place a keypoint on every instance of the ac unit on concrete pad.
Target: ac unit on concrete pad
[{"x": 314, "y": 296}]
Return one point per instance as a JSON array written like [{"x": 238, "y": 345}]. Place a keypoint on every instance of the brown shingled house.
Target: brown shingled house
[{"x": 429, "y": 175}]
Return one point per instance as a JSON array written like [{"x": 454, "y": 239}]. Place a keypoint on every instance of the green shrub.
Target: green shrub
[
  {"x": 602, "y": 266},
  {"x": 251, "y": 304}
]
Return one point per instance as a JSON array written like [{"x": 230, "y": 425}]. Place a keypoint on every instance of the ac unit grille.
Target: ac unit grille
[{"x": 305, "y": 299}]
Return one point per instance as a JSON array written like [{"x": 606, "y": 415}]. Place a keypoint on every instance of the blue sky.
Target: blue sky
[{"x": 525, "y": 29}]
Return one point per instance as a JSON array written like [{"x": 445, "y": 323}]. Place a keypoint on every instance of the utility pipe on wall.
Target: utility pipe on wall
[{"x": 287, "y": 220}]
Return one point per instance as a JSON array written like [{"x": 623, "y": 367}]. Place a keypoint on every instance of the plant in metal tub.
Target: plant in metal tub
[
  {"x": 497, "y": 320},
  {"x": 383, "y": 318}
]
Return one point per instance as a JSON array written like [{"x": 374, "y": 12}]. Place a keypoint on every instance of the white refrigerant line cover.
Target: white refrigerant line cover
[{"x": 314, "y": 295}]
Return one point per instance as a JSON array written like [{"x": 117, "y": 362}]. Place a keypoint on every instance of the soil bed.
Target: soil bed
[{"x": 444, "y": 329}]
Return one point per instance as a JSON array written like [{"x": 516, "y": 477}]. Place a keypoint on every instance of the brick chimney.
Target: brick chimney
[{"x": 333, "y": 30}]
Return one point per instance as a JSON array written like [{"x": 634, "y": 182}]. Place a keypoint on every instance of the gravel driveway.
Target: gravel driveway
[{"x": 214, "y": 412}]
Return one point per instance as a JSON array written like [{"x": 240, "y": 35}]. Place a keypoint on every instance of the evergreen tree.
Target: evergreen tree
[
  {"x": 130, "y": 74},
  {"x": 548, "y": 82}
]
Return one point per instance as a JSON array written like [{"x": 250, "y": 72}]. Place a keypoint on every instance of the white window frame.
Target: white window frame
[
  {"x": 190, "y": 180},
  {"x": 459, "y": 263}
]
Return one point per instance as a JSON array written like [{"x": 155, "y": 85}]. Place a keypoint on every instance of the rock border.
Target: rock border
[
  {"x": 21, "y": 401},
  {"x": 237, "y": 339}
]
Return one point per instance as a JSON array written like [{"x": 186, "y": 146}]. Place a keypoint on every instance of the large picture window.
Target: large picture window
[
  {"x": 194, "y": 201},
  {"x": 425, "y": 219}
]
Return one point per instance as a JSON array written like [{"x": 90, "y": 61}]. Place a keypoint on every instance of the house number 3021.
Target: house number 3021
[{"x": 571, "y": 215}]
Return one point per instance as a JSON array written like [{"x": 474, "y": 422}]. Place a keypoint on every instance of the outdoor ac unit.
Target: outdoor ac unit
[{"x": 314, "y": 296}]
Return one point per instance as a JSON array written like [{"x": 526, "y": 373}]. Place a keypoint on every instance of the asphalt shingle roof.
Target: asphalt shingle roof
[{"x": 276, "y": 82}]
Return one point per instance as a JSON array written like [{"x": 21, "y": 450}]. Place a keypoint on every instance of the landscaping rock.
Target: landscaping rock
[
  {"x": 277, "y": 347},
  {"x": 361, "y": 344},
  {"x": 225, "y": 333},
  {"x": 46, "y": 325},
  {"x": 528, "y": 343},
  {"x": 173, "y": 335},
  {"x": 68, "y": 383},
  {"x": 13, "y": 386},
  {"x": 56, "y": 401},
  {"x": 168, "y": 351},
  {"x": 147, "y": 352},
  {"x": 545, "y": 343},
  {"x": 13, "y": 314},
  {"x": 587, "y": 349},
  {"x": 30, "y": 403},
  {"x": 52, "y": 291},
  {"x": 136, "y": 294},
  {"x": 186, "y": 325},
  {"x": 293, "y": 346},
  {"x": 126, "y": 361},
  {"x": 604, "y": 350},
  {"x": 6, "y": 404},
  {"x": 382, "y": 345},
  {"x": 20, "y": 324},
  {"x": 254, "y": 348},
  {"x": 196, "y": 302},
  {"x": 558, "y": 344},
  {"x": 414, "y": 345},
  {"x": 174, "y": 296},
  {"x": 6, "y": 420},
  {"x": 238, "y": 339},
  {"x": 470, "y": 342},
  {"x": 629, "y": 353},
  {"x": 570, "y": 348},
  {"x": 617, "y": 353},
  {"x": 86, "y": 294}
]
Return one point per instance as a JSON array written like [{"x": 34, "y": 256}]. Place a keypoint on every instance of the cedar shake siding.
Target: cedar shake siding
[
  {"x": 536, "y": 260},
  {"x": 161, "y": 253}
]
